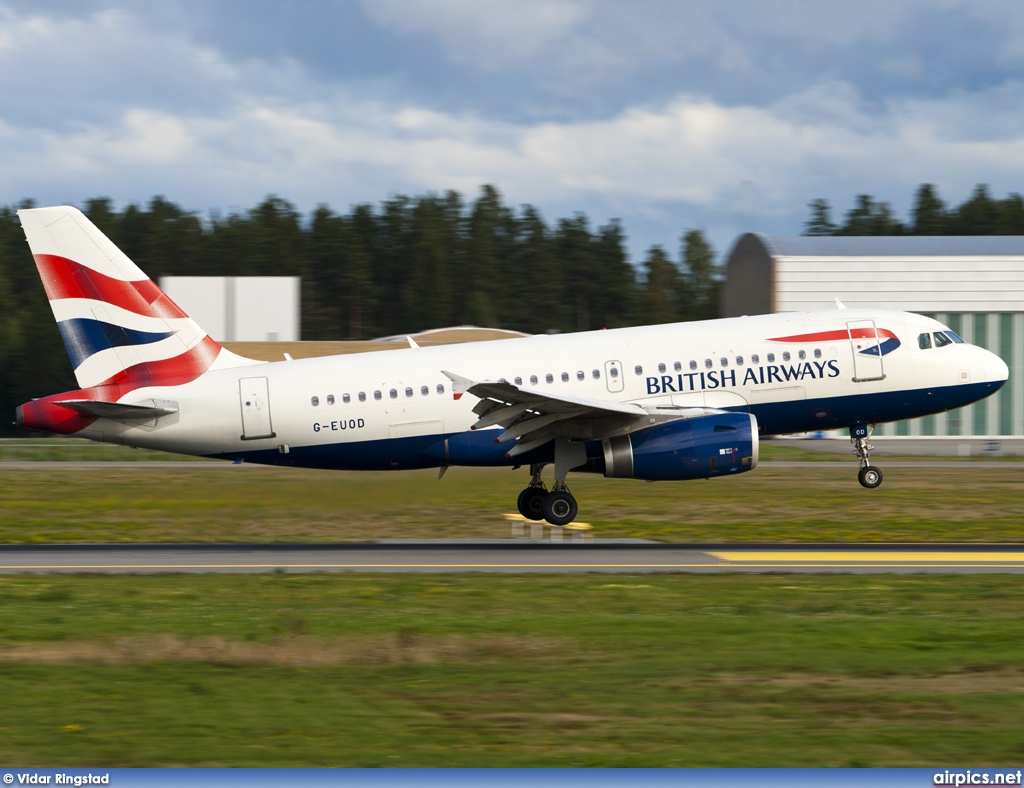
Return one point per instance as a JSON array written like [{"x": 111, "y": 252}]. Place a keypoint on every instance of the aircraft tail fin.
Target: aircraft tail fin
[{"x": 118, "y": 326}]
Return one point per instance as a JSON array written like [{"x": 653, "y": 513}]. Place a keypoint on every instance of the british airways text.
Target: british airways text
[{"x": 751, "y": 376}]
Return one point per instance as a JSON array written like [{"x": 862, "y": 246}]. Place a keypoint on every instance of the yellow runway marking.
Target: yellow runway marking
[{"x": 815, "y": 556}]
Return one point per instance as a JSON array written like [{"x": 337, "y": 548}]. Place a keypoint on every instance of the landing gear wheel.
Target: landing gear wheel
[
  {"x": 531, "y": 503},
  {"x": 560, "y": 508},
  {"x": 870, "y": 477}
]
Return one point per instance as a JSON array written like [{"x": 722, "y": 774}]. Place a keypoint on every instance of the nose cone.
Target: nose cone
[{"x": 996, "y": 370}]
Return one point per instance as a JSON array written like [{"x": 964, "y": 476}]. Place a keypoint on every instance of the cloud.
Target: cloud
[
  {"x": 490, "y": 34},
  {"x": 106, "y": 102}
]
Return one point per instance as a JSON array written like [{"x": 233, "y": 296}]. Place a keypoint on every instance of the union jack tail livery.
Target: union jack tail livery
[
  {"x": 121, "y": 331},
  {"x": 117, "y": 325}
]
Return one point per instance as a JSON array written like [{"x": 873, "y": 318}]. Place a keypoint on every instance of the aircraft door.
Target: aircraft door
[
  {"x": 867, "y": 351},
  {"x": 613, "y": 376},
  {"x": 254, "y": 396}
]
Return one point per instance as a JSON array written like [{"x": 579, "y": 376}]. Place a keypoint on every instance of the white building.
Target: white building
[
  {"x": 240, "y": 308},
  {"x": 973, "y": 284}
]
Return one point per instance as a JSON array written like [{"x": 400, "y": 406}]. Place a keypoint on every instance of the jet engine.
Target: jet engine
[{"x": 696, "y": 448}]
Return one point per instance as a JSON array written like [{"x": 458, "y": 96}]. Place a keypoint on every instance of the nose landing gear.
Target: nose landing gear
[{"x": 869, "y": 476}]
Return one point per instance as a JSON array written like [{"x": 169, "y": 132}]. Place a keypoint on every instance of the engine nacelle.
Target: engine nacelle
[{"x": 697, "y": 448}]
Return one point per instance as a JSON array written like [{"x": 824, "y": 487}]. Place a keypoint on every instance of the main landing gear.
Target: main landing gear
[
  {"x": 558, "y": 507},
  {"x": 869, "y": 476}
]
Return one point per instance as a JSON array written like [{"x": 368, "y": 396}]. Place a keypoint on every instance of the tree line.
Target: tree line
[
  {"x": 405, "y": 265},
  {"x": 980, "y": 214}
]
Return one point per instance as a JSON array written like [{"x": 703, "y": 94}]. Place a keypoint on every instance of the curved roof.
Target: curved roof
[{"x": 895, "y": 245}]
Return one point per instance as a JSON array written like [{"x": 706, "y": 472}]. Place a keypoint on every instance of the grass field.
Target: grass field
[
  {"x": 218, "y": 502},
  {"x": 478, "y": 670},
  {"x": 481, "y": 670}
]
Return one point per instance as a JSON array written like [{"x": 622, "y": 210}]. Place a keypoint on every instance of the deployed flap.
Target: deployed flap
[
  {"x": 121, "y": 411},
  {"x": 536, "y": 417}
]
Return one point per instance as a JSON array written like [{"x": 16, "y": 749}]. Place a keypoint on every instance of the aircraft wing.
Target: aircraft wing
[{"x": 536, "y": 417}]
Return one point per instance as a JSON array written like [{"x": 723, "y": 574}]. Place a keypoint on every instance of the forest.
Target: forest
[
  {"x": 408, "y": 264},
  {"x": 434, "y": 260},
  {"x": 980, "y": 214}
]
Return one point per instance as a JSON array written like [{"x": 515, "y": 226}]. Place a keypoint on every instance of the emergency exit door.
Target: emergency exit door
[{"x": 254, "y": 395}]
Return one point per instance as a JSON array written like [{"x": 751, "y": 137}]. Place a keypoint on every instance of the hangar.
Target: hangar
[{"x": 973, "y": 284}]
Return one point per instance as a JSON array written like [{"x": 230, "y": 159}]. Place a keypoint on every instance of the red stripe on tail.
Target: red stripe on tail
[
  {"x": 43, "y": 414},
  {"x": 64, "y": 278}
]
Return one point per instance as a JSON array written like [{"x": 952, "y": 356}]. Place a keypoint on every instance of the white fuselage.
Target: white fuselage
[{"x": 385, "y": 409}]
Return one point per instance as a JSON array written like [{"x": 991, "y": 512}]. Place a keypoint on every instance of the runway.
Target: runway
[{"x": 513, "y": 556}]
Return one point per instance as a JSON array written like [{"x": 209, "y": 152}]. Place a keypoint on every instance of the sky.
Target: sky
[{"x": 668, "y": 115}]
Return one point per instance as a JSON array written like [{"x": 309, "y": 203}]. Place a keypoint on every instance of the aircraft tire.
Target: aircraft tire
[
  {"x": 531, "y": 503},
  {"x": 870, "y": 477},
  {"x": 560, "y": 508}
]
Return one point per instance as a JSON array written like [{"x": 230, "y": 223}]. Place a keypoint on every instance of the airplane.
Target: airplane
[{"x": 665, "y": 402}]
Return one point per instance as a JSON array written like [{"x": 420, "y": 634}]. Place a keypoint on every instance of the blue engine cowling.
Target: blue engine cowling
[{"x": 697, "y": 448}]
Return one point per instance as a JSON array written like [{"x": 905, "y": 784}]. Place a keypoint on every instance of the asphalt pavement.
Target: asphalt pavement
[{"x": 513, "y": 556}]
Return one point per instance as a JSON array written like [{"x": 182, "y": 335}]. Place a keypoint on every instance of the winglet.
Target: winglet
[
  {"x": 412, "y": 342},
  {"x": 840, "y": 304}
]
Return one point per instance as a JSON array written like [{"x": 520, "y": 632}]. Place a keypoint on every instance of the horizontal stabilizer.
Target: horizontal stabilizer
[{"x": 121, "y": 411}]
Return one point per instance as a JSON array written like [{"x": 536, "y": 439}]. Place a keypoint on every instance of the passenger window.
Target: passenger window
[
  {"x": 377, "y": 394},
  {"x": 362, "y": 396},
  {"x": 941, "y": 340},
  {"x": 315, "y": 401},
  {"x": 408, "y": 391},
  {"x": 817, "y": 352},
  {"x": 424, "y": 391},
  {"x": 924, "y": 341},
  {"x": 533, "y": 380},
  {"x": 707, "y": 363},
  {"x": 596, "y": 374},
  {"x": 519, "y": 381},
  {"x": 638, "y": 369},
  {"x": 771, "y": 358},
  {"x": 330, "y": 399},
  {"x": 785, "y": 355},
  {"x": 755, "y": 359},
  {"x": 802, "y": 355},
  {"x": 346, "y": 398},
  {"x": 739, "y": 361},
  {"x": 565, "y": 377},
  {"x": 614, "y": 372},
  {"x": 549, "y": 378},
  {"x": 661, "y": 367},
  {"x": 725, "y": 361},
  {"x": 440, "y": 388},
  {"x": 580, "y": 375},
  {"x": 693, "y": 365}
]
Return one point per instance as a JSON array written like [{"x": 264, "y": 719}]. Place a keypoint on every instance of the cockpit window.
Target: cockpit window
[
  {"x": 955, "y": 337},
  {"x": 924, "y": 341},
  {"x": 941, "y": 340}
]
